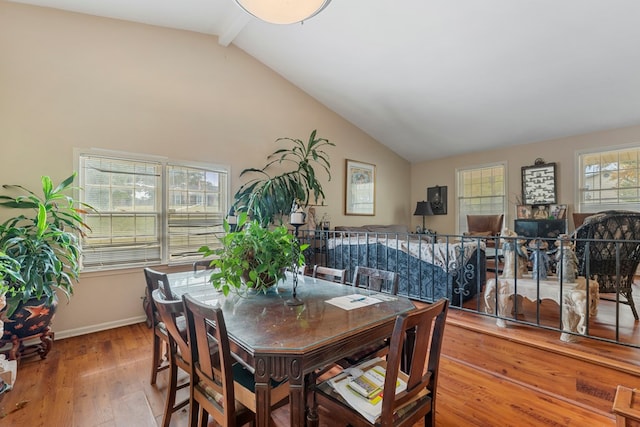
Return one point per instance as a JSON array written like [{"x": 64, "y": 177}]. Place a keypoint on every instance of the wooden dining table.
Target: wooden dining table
[{"x": 281, "y": 341}]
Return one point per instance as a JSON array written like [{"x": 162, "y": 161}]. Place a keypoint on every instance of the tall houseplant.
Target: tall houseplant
[
  {"x": 45, "y": 243},
  {"x": 266, "y": 197}
]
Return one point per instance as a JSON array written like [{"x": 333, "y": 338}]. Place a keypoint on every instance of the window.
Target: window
[
  {"x": 149, "y": 211},
  {"x": 481, "y": 191},
  {"x": 609, "y": 180}
]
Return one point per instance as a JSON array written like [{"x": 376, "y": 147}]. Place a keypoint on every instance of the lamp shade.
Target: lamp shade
[
  {"x": 283, "y": 11},
  {"x": 423, "y": 208}
]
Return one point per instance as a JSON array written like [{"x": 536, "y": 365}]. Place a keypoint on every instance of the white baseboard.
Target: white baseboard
[{"x": 97, "y": 328}]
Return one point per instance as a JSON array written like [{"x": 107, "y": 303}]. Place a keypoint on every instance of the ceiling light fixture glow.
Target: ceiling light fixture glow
[{"x": 283, "y": 11}]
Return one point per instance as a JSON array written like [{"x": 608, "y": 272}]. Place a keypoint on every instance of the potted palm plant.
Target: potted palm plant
[
  {"x": 253, "y": 257},
  {"x": 43, "y": 239},
  {"x": 268, "y": 197}
]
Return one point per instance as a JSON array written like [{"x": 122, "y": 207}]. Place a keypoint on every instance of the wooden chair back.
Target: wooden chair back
[
  {"x": 376, "y": 280},
  {"x": 157, "y": 280},
  {"x": 212, "y": 391},
  {"x": 417, "y": 402},
  {"x": 330, "y": 274},
  {"x": 154, "y": 279},
  {"x": 427, "y": 325},
  {"x": 171, "y": 314},
  {"x": 203, "y": 264}
]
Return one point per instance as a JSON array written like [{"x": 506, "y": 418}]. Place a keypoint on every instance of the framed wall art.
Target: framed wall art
[
  {"x": 360, "y": 188},
  {"x": 438, "y": 197},
  {"x": 558, "y": 211},
  {"x": 523, "y": 212},
  {"x": 539, "y": 184}
]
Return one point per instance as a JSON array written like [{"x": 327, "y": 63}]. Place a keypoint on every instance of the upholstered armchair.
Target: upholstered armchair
[
  {"x": 488, "y": 226},
  {"x": 608, "y": 250}
]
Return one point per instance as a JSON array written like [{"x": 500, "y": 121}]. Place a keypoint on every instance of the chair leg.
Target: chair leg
[
  {"x": 155, "y": 363},
  {"x": 204, "y": 417},
  {"x": 171, "y": 394},
  {"x": 631, "y": 303},
  {"x": 194, "y": 411},
  {"x": 430, "y": 418}
]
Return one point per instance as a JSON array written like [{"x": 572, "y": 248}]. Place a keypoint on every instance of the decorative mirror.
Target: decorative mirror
[{"x": 539, "y": 184}]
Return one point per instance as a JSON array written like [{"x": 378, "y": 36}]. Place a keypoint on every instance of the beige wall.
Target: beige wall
[
  {"x": 561, "y": 151},
  {"x": 70, "y": 80}
]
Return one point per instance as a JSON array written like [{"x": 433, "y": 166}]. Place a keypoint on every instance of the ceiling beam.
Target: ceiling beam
[{"x": 231, "y": 27}]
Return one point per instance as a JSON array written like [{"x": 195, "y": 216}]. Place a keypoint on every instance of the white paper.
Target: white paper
[{"x": 350, "y": 302}]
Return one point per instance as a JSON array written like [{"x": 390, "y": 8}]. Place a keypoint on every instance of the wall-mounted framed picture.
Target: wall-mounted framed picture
[
  {"x": 539, "y": 184},
  {"x": 523, "y": 212},
  {"x": 438, "y": 197},
  {"x": 360, "y": 188},
  {"x": 558, "y": 211}
]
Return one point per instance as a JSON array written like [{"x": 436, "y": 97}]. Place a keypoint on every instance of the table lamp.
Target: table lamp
[{"x": 423, "y": 208}]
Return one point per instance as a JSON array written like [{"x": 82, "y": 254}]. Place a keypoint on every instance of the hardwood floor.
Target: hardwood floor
[{"x": 102, "y": 379}]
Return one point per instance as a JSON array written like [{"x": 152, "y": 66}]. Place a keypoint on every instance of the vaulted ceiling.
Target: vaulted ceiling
[{"x": 433, "y": 78}]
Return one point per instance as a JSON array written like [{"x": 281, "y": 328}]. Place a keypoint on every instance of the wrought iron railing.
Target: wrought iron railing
[{"x": 470, "y": 271}]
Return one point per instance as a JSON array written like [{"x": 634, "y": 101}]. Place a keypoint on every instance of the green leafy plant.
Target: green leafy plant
[
  {"x": 253, "y": 256},
  {"x": 45, "y": 245},
  {"x": 9, "y": 273},
  {"x": 266, "y": 197}
]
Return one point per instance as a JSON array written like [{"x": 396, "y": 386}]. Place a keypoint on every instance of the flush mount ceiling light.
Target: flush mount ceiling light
[{"x": 283, "y": 11}]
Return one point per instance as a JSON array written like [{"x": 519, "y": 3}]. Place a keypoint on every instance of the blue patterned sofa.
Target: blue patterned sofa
[{"x": 427, "y": 270}]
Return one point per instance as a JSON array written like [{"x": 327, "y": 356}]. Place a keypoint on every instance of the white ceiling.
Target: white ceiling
[{"x": 432, "y": 78}]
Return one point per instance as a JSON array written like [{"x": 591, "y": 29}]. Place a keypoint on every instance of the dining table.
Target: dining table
[{"x": 280, "y": 340}]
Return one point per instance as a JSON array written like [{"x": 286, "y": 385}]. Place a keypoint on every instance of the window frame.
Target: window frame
[
  {"x": 460, "y": 220},
  {"x": 163, "y": 193},
  {"x": 581, "y": 207}
]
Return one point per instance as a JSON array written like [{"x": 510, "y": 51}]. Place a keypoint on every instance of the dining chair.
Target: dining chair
[
  {"x": 376, "y": 280},
  {"x": 171, "y": 314},
  {"x": 380, "y": 281},
  {"x": 154, "y": 280},
  {"x": 418, "y": 400},
  {"x": 331, "y": 274},
  {"x": 203, "y": 264},
  {"x": 219, "y": 387}
]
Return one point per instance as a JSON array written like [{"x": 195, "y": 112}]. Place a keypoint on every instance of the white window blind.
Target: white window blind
[
  {"x": 609, "y": 180},
  {"x": 149, "y": 212},
  {"x": 197, "y": 204},
  {"x": 481, "y": 191}
]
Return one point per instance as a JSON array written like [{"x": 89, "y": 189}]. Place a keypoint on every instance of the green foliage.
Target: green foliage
[
  {"x": 45, "y": 245},
  {"x": 9, "y": 272},
  {"x": 253, "y": 256},
  {"x": 265, "y": 197}
]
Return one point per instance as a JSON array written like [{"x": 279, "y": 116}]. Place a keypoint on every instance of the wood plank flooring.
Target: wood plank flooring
[{"x": 102, "y": 379}]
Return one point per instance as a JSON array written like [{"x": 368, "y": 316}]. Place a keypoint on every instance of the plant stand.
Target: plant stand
[{"x": 16, "y": 348}]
